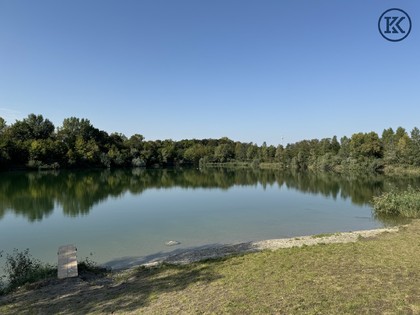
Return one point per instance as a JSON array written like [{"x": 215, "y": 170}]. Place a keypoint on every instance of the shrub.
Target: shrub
[
  {"x": 394, "y": 203},
  {"x": 90, "y": 266},
  {"x": 255, "y": 163},
  {"x": 22, "y": 268},
  {"x": 138, "y": 162}
]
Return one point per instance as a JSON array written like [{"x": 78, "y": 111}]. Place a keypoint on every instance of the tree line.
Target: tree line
[{"x": 34, "y": 142}]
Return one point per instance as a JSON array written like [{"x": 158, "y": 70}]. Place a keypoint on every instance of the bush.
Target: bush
[
  {"x": 394, "y": 203},
  {"x": 138, "y": 162},
  {"x": 89, "y": 266},
  {"x": 21, "y": 268},
  {"x": 255, "y": 163}
]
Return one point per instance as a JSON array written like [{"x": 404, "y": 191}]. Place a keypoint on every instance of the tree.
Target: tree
[
  {"x": 3, "y": 125},
  {"x": 403, "y": 149},
  {"x": 389, "y": 146},
  {"x": 252, "y": 153},
  {"x": 135, "y": 142},
  {"x": 240, "y": 151},
  {"x": 73, "y": 128},
  {"x": 365, "y": 145},
  {"x": 271, "y": 153},
  {"x": 40, "y": 128},
  {"x": 118, "y": 139},
  {"x": 399, "y": 133},
  {"x": 335, "y": 145},
  {"x": 116, "y": 156},
  {"x": 167, "y": 152},
  {"x": 194, "y": 153},
  {"x": 30, "y": 128},
  {"x": 279, "y": 155},
  {"x": 223, "y": 153},
  {"x": 264, "y": 152},
  {"x": 87, "y": 151},
  {"x": 415, "y": 146},
  {"x": 344, "y": 151},
  {"x": 150, "y": 154}
]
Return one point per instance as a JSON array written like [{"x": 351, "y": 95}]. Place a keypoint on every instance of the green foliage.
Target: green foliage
[
  {"x": 365, "y": 145},
  {"x": 195, "y": 153},
  {"x": 3, "y": 125},
  {"x": 255, "y": 163},
  {"x": 32, "y": 127},
  {"x": 395, "y": 203},
  {"x": 88, "y": 266},
  {"x": 415, "y": 147},
  {"x": 224, "y": 152},
  {"x": 34, "y": 143},
  {"x": 21, "y": 268}
]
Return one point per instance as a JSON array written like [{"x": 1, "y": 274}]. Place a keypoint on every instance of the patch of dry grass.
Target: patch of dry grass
[{"x": 371, "y": 276}]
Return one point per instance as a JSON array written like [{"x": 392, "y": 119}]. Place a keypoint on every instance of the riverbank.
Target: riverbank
[
  {"x": 389, "y": 170},
  {"x": 372, "y": 274},
  {"x": 188, "y": 256}
]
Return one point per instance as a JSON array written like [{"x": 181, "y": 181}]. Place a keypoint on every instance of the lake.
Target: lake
[{"x": 117, "y": 216}]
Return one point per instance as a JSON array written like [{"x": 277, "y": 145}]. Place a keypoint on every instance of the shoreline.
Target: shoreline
[
  {"x": 196, "y": 254},
  {"x": 380, "y": 260}
]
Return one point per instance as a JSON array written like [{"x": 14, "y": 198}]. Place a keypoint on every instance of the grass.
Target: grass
[
  {"x": 404, "y": 204},
  {"x": 325, "y": 235},
  {"x": 371, "y": 276}
]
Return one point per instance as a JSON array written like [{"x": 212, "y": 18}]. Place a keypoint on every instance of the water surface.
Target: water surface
[{"x": 112, "y": 215}]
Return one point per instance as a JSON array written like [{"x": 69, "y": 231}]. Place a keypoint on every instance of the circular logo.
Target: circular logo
[{"x": 394, "y": 25}]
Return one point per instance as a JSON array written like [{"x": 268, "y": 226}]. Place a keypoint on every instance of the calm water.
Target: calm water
[{"x": 113, "y": 216}]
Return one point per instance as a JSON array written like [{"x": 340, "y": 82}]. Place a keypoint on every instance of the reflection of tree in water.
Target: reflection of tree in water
[
  {"x": 27, "y": 194},
  {"x": 35, "y": 194},
  {"x": 359, "y": 188}
]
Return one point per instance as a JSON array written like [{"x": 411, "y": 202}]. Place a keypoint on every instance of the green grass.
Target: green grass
[
  {"x": 325, "y": 235},
  {"x": 395, "y": 203},
  {"x": 371, "y": 276}
]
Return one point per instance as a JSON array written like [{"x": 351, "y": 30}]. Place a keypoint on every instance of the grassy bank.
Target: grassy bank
[
  {"x": 390, "y": 170},
  {"x": 271, "y": 166},
  {"x": 371, "y": 276}
]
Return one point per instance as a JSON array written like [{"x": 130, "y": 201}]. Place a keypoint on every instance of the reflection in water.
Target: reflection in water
[{"x": 35, "y": 194}]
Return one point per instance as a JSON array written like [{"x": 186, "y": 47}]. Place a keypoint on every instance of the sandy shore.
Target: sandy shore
[{"x": 186, "y": 256}]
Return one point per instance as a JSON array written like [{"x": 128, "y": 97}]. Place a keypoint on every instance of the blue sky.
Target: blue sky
[{"x": 253, "y": 71}]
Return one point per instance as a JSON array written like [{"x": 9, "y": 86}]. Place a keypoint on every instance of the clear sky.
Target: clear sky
[{"x": 253, "y": 71}]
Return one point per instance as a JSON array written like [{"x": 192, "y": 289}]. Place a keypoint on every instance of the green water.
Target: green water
[{"x": 117, "y": 217}]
